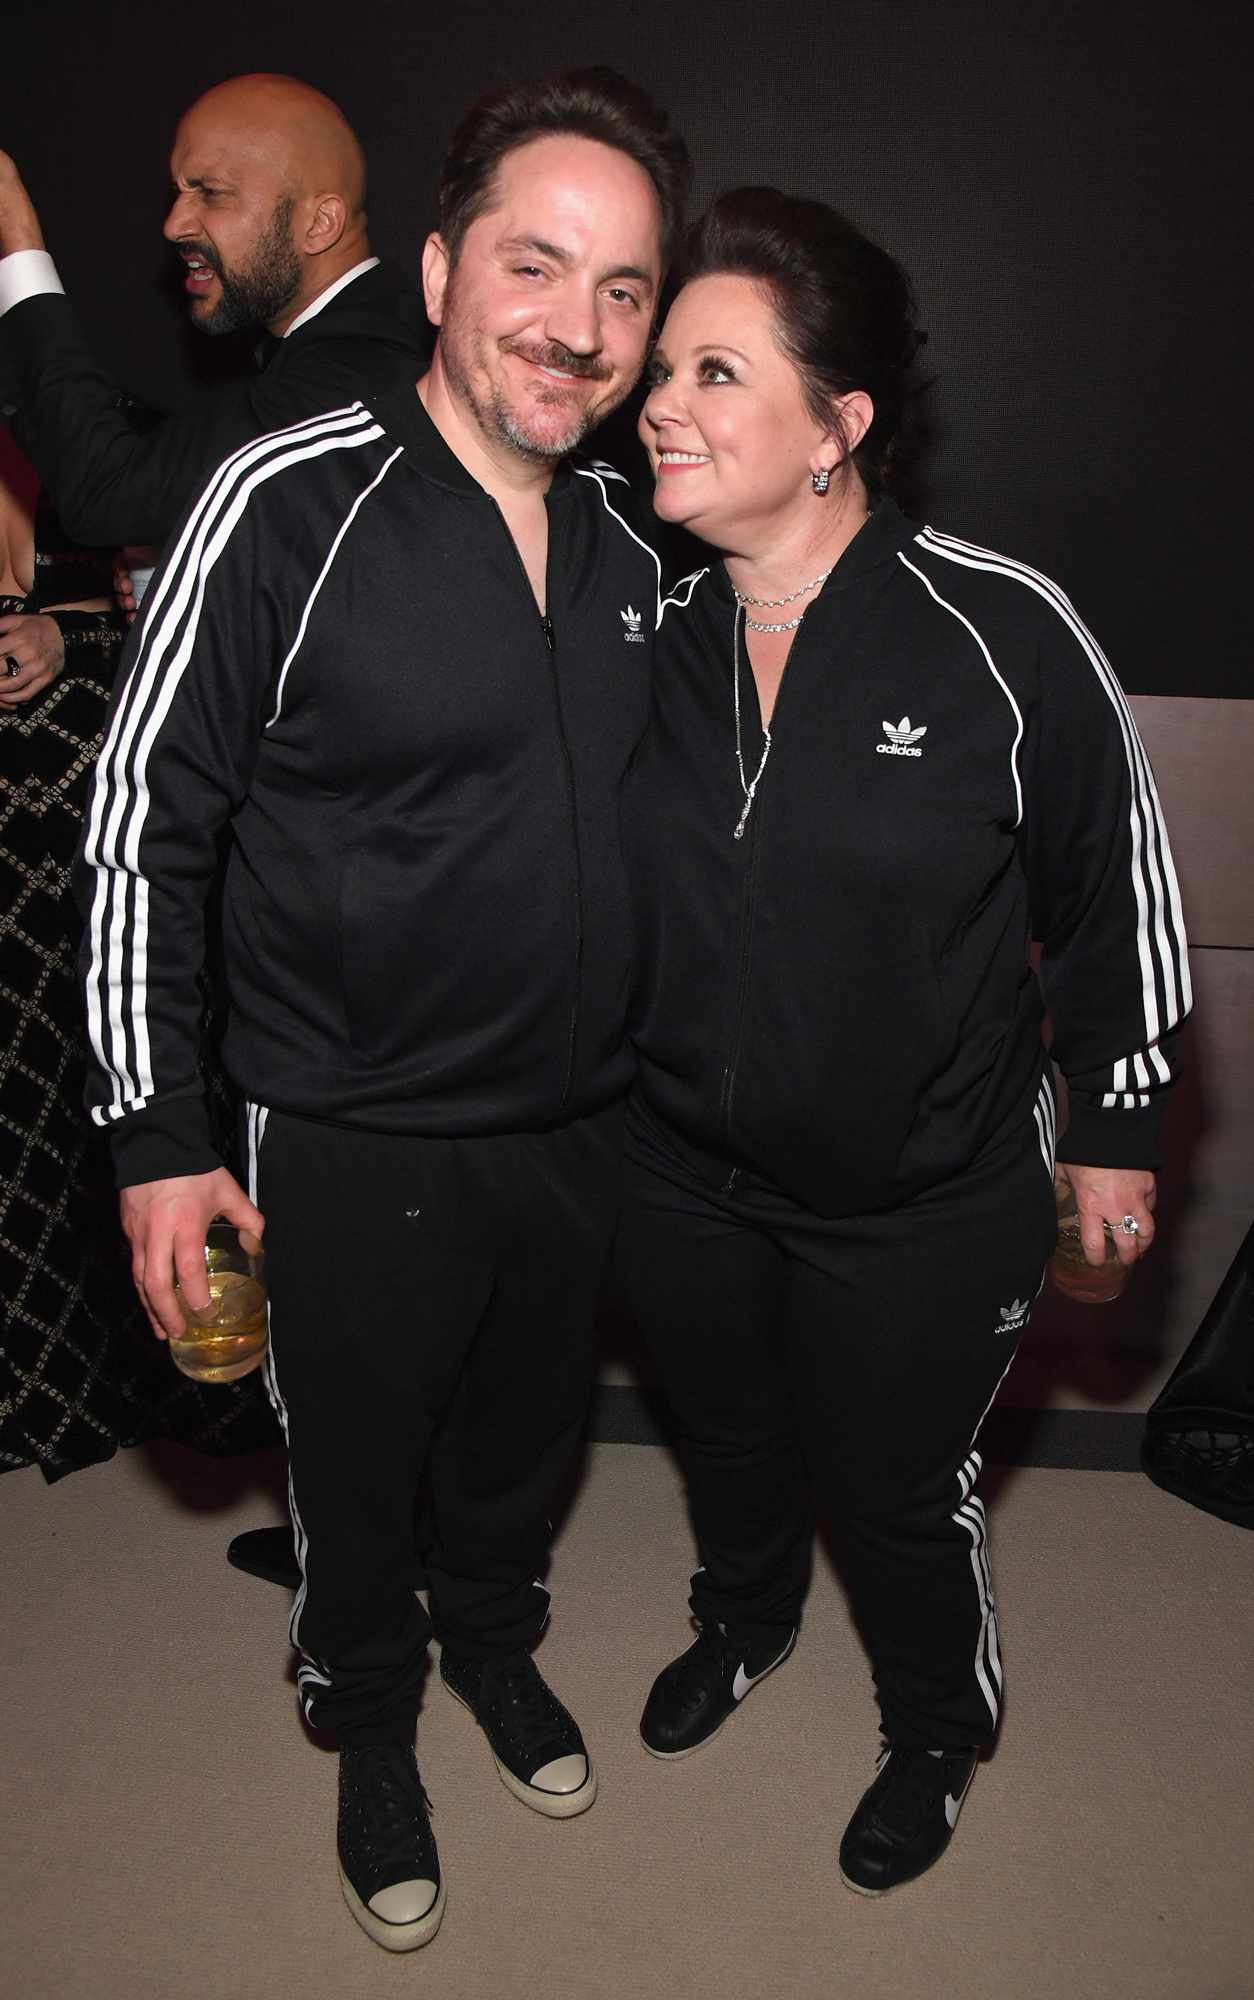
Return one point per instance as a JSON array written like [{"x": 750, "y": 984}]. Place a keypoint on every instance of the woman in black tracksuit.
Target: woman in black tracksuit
[{"x": 841, "y": 1156}]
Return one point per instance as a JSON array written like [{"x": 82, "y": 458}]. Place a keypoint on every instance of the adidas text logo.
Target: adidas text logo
[
  {"x": 901, "y": 739},
  {"x": 1013, "y": 1316},
  {"x": 633, "y": 621}
]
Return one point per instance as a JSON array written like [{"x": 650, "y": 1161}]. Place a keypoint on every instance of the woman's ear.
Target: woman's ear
[{"x": 854, "y": 414}]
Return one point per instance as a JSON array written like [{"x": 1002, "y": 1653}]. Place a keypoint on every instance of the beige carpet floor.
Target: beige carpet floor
[{"x": 168, "y": 1830}]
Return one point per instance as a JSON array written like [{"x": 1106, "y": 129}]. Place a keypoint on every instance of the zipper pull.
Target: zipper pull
[{"x": 549, "y": 640}]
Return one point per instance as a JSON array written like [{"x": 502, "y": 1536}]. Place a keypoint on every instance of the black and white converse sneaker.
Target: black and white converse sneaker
[
  {"x": 692, "y": 1698},
  {"x": 389, "y": 1869},
  {"x": 536, "y": 1742},
  {"x": 905, "y": 1820}
]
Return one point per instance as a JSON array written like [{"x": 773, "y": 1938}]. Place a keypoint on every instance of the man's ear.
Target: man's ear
[
  {"x": 326, "y": 225},
  {"x": 435, "y": 276}
]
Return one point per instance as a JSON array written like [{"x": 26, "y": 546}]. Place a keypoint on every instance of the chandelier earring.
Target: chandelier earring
[{"x": 821, "y": 479}]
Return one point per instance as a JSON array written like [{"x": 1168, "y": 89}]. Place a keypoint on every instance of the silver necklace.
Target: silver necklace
[
  {"x": 776, "y": 603},
  {"x": 788, "y": 624},
  {"x": 748, "y": 786}
]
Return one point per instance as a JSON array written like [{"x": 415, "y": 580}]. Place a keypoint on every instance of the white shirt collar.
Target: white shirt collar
[{"x": 324, "y": 298}]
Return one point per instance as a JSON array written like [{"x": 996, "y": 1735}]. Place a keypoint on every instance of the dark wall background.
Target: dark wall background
[{"x": 1068, "y": 183}]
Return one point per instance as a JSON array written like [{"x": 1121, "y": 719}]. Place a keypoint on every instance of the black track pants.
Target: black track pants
[
  {"x": 432, "y": 1305},
  {"x": 848, "y": 1362}
]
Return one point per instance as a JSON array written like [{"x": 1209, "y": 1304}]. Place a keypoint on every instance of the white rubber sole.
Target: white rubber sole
[
  {"x": 874, "y": 1894},
  {"x": 551, "y": 1805},
  {"x": 673, "y": 1756},
  {"x": 893, "y": 1887},
  {"x": 394, "y": 1937}
]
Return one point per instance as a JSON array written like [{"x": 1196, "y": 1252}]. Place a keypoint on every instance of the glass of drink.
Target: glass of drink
[
  {"x": 226, "y": 1338},
  {"x": 1073, "y": 1275}
]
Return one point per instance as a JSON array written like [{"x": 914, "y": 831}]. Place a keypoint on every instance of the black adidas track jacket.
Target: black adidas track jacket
[
  {"x": 341, "y": 672},
  {"x": 841, "y": 999}
]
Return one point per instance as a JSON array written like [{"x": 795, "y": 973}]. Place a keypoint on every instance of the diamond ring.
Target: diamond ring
[{"x": 1129, "y": 1225}]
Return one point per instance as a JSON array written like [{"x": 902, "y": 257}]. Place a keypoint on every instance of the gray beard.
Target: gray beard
[
  {"x": 511, "y": 432},
  {"x": 497, "y": 420}
]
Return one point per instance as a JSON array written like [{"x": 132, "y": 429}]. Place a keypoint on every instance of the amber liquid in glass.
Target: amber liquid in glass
[
  {"x": 1069, "y": 1268},
  {"x": 230, "y": 1337}
]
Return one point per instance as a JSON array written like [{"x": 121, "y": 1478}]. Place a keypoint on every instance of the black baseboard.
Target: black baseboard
[{"x": 1077, "y": 1440}]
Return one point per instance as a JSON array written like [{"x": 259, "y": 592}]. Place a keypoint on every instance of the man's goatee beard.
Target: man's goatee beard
[{"x": 546, "y": 451}]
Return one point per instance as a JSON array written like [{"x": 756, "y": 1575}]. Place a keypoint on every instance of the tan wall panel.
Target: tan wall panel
[
  {"x": 1203, "y": 758},
  {"x": 1118, "y": 1356}
]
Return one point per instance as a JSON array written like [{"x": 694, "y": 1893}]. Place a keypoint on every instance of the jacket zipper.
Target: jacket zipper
[
  {"x": 742, "y": 977},
  {"x": 748, "y": 897},
  {"x": 550, "y": 643}
]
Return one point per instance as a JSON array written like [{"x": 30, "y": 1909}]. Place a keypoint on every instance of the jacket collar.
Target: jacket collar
[
  {"x": 405, "y": 420},
  {"x": 885, "y": 531},
  {"x": 375, "y": 302},
  {"x": 330, "y": 292}
]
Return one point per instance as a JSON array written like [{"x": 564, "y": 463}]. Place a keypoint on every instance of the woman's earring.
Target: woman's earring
[{"x": 821, "y": 479}]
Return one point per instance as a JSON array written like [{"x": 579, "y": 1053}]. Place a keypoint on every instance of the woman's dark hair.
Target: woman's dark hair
[
  {"x": 844, "y": 310},
  {"x": 592, "y": 103}
]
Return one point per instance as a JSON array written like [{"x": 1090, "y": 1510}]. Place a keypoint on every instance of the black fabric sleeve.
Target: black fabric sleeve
[
  {"x": 183, "y": 734},
  {"x": 1105, "y": 903},
  {"x": 111, "y": 482}
]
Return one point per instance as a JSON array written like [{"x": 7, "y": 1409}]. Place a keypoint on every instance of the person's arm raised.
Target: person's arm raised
[{"x": 19, "y": 221}]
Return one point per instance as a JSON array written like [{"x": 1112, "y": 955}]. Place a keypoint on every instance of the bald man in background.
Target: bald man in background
[{"x": 269, "y": 218}]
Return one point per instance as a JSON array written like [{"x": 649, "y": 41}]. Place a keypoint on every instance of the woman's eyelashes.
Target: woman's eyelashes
[{"x": 710, "y": 368}]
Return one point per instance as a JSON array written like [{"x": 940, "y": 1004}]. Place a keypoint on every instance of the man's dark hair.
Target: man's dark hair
[
  {"x": 844, "y": 311},
  {"x": 593, "y": 103}
]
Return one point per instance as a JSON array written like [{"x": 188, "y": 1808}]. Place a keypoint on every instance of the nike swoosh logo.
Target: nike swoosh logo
[
  {"x": 743, "y": 1681},
  {"x": 953, "y": 1806}
]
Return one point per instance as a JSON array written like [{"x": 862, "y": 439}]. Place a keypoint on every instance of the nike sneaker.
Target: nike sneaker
[
  {"x": 906, "y": 1818},
  {"x": 692, "y": 1698}
]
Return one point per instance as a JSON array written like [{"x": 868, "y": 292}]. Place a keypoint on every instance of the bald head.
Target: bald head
[
  {"x": 270, "y": 201},
  {"x": 302, "y": 135}
]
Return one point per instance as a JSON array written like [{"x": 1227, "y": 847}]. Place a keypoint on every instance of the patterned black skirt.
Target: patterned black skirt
[{"x": 80, "y": 1373}]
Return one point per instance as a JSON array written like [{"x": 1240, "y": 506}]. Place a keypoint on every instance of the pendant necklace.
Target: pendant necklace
[{"x": 748, "y": 786}]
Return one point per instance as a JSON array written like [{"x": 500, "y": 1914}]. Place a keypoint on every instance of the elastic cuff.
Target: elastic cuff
[
  {"x": 163, "y": 1141},
  {"x": 1103, "y": 1136}
]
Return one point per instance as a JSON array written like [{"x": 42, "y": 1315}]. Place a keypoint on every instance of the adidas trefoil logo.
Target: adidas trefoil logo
[
  {"x": 633, "y": 621},
  {"x": 1013, "y": 1315},
  {"x": 901, "y": 739}
]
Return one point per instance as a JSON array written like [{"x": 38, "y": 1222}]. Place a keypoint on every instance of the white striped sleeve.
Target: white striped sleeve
[
  {"x": 1105, "y": 898},
  {"x": 184, "y": 730}
]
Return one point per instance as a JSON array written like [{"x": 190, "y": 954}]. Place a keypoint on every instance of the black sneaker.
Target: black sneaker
[
  {"x": 389, "y": 1869},
  {"x": 905, "y": 1820},
  {"x": 536, "y": 1742},
  {"x": 269, "y": 1553},
  {"x": 692, "y": 1698}
]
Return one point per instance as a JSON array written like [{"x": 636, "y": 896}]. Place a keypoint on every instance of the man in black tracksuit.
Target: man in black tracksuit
[
  {"x": 338, "y": 323},
  {"x": 401, "y": 653},
  {"x": 350, "y": 327}
]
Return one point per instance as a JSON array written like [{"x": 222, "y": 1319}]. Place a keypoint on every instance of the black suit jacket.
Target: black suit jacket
[{"x": 113, "y": 483}]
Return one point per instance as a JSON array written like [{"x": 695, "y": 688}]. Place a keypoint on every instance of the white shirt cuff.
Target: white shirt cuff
[{"x": 25, "y": 275}]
